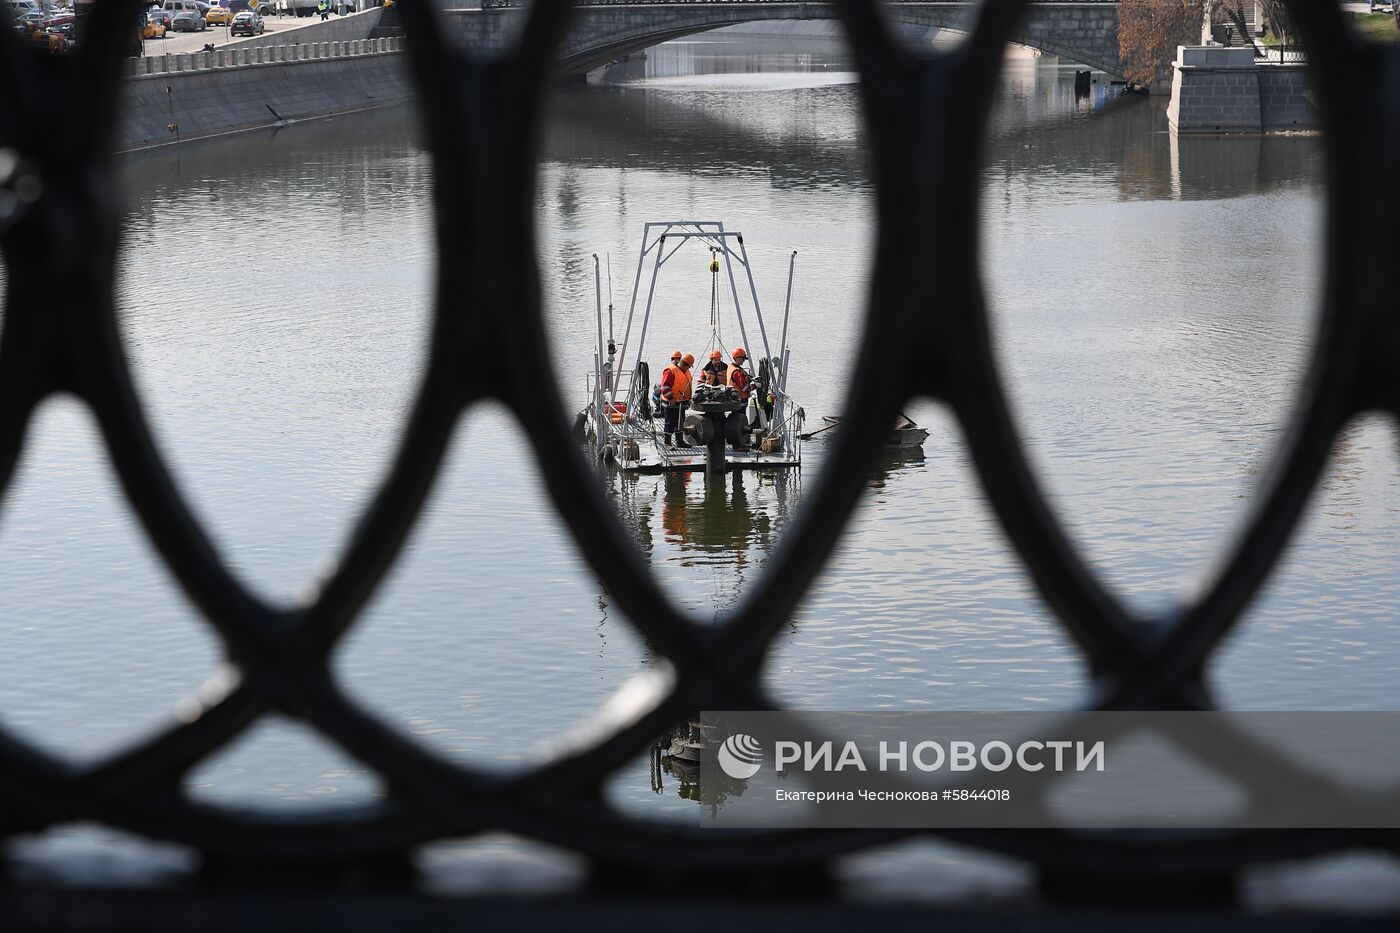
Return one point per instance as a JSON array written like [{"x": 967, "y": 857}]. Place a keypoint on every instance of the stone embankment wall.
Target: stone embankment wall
[
  {"x": 1285, "y": 99},
  {"x": 1224, "y": 90},
  {"x": 177, "y": 98}
]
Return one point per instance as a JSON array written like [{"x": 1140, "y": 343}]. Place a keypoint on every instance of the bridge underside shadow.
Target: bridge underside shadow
[{"x": 1086, "y": 33}]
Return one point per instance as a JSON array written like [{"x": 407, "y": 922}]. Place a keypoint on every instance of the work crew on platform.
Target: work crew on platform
[
  {"x": 717, "y": 372},
  {"x": 675, "y": 396},
  {"x": 733, "y": 375}
]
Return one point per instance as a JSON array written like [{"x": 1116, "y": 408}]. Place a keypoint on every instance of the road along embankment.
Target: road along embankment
[
  {"x": 364, "y": 25},
  {"x": 177, "y": 98}
]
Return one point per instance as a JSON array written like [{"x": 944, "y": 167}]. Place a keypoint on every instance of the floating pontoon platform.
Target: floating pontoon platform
[{"x": 619, "y": 420}]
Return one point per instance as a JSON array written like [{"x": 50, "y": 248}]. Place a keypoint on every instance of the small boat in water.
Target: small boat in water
[
  {"x": 753, "y": 424},
  {"x": 905, "y": 432}
]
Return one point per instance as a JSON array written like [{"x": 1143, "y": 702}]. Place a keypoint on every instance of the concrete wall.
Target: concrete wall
[
  {"x": 1286, "y": 100},
  {"x": 211, "y": 93},
  {"x": 1224, "y": 90},
  {"x": 1215, "y": 90}
]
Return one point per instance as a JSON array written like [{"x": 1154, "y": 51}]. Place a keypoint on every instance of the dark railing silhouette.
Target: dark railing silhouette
[
  {"x": 512, "y": 4},
  {"x": 926, "y": 336}
]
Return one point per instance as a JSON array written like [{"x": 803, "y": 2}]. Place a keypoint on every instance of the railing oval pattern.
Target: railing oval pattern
[{"x": 482, "y": 119}]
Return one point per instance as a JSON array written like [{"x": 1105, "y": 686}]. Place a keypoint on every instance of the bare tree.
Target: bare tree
[
  {"x": 1276, "y": 15},
  {"x": 1149, "y": 32}
]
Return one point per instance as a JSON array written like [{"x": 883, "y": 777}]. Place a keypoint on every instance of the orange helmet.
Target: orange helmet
[
  {"x": 676, "y": 355},
  {"x": 715, "y": 355},
  {"x": 688, "y": 360},
  {"x": 739, "y": 354}
]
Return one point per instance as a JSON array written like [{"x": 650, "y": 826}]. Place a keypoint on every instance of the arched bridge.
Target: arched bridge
[{"x": 1084, "y": 31}]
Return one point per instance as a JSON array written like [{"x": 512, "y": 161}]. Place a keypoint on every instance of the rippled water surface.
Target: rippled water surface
[{"x": 1153, "y": 306}]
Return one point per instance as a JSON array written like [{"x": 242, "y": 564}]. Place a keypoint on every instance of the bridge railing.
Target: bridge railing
[
  {"x": 517, "y": 4},
  {"x": 244, "y": 57},
  {"x": 927, "y": 335}
]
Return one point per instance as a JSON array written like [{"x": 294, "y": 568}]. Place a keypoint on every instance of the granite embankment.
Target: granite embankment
[
  {"x": 318, "y": 71},
  {"x": 1225, "y": 90}
]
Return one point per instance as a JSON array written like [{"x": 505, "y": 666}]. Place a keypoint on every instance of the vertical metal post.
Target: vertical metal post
[
  {"x": 612, "y": 342},
  {"x": 787, "y": 310},
  {"x": 780, "y": 380},
  {"x": 598, "y": 302},
  {"x": 632, "y": 307},
  {"x": 734, "y": 286},
  {"x": 795, "y": 430},
  {"x": 646, "y": 319},
  {"x": 601, "y": 418},
  {"x": 753, "y": 290}
]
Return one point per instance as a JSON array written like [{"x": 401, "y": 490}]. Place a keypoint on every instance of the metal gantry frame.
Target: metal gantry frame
[
  {"x": 662, "y": 240},
  {"x": 682, "y": 231},
  {"x": 927, "y": 336}
]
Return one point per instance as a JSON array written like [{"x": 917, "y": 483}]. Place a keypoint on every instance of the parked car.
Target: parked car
[
  {"x": 188, "y": 21},
  {"x": 19, "y": 9},
  {"x": 247, "y": 23},
  {"x": 218, "y": 16},
  {"x": 184, "y": 6},
  {"x": 153, "y": 27}
]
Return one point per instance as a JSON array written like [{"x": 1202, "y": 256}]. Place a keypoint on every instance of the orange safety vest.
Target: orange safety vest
[
  {"x": 680, "y": 386},
  {"x": 729, "y": 380}
]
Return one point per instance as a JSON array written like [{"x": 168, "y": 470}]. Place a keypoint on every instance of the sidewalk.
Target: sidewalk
[{"x": 180, "y": 43}]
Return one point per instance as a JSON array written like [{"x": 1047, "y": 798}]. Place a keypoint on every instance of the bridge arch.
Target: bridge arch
[{"x": 1085, "y": 31}]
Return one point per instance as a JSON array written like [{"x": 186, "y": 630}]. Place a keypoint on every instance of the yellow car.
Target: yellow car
[
  {"x": 219, "y": 15},
  {"x": 154, "y": 29}
]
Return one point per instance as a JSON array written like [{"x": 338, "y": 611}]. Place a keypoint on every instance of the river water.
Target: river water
[{"x": 1153, "y": 305}]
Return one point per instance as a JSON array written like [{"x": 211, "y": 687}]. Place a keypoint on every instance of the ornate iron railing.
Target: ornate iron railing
[
  {"x": 515, "y": 4},
  {"x": 926, "y": 336}
]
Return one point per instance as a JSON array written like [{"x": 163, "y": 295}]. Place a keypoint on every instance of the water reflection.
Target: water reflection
[
  {"x": 1128, "y": 140},
  {"x": 724, "y": 522},
  {"x": 705, "y": 537},
  {"x": 677, "y": 754},
  {"x": 336, "y": 168},
  {"x": 892, "y": 462},
  {"x": 274, "y": 293},
  {"x": 812, "y": 138}
]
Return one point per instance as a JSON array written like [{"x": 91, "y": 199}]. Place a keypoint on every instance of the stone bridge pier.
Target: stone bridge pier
[{"x": 1084, "y": 32}]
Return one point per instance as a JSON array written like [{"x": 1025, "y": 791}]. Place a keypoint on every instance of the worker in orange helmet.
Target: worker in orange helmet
[
  {"x": 714, "y": 371},
  {"x": 737, "y": 378},
  {"x": 675, "y": 395},
  {"x": 735, "y": 375}
]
